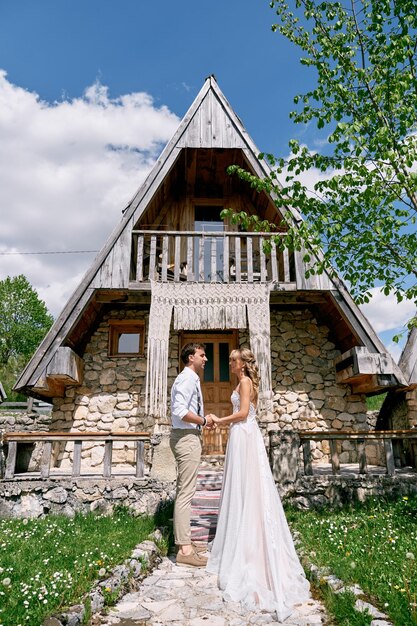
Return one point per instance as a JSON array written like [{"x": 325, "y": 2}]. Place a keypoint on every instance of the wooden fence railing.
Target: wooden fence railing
[
  {"x": 388, "y": 437},
  {"x": 31, "y": 405},
  {"x": 13, "y": 439},
  {"x": 208, "y": 257}
]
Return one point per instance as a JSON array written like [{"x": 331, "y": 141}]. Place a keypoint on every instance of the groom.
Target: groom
[{"x": 187, "y": 421}]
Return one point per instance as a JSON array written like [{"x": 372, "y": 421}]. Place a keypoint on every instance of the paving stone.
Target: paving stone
[
  {"x": 208, "y": 620},
  {"x": 173, "y": 596}
]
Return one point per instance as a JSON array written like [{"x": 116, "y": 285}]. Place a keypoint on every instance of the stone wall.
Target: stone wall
[
  {"x": 337, "y": 491},
  {"x": 36, "y": 498},
  {"x": 22, "y": 498},
  {"x": 112, "y": 397},
  {"x": 404, "y": 410},
  {"x": 306, "y": 395},
  {"x": 23, "y": 421}
]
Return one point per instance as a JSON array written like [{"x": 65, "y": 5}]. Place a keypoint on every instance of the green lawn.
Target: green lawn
[
  {"x": 373, "y": 545},
  {"x": 50, "y": 563}
]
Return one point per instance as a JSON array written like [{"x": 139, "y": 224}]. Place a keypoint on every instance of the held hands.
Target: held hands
[{"x": 210, "y": 421}]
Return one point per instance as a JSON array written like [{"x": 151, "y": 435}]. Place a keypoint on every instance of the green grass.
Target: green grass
[
  {"x": 49, "y": 564},
  {"x": 373, "y": 545},
  {"x": 374, "y": 403}
]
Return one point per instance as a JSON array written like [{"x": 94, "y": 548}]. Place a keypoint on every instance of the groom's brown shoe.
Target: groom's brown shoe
[
  {"x": 191, "y": 560},
  {"x": 199, "y": 547}
]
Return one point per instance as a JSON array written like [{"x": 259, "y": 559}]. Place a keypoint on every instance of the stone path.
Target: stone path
[{"x": 185, "y": 596}]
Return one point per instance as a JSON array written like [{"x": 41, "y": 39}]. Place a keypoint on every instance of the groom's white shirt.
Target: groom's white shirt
[{"x": 186, "y": 396}]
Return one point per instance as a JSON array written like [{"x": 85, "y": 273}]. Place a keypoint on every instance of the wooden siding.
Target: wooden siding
[
  {"x": 210, "y": 128},
  {"x": 114, "y": 271}
]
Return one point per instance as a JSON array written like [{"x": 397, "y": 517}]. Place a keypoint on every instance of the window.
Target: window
[{"x": 126, "y": 338}]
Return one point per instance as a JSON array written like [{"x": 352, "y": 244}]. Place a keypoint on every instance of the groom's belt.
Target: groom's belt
[{"x": 196, "y": 430}]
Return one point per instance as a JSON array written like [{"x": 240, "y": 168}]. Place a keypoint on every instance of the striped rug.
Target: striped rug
[{"x": 205, "y": 504}]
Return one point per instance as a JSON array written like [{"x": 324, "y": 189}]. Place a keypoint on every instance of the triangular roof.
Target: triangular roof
[
  {"x": 210, "y": 122},
  {"x": 408, "y": 358}
]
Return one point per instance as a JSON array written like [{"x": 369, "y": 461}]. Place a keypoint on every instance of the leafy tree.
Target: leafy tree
[
  {"x": 24, "y": 320},
  {"x": 362, "y": 212}
]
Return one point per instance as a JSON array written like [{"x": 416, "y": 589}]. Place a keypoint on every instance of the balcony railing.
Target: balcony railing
[{"x": 208, "y": 257}]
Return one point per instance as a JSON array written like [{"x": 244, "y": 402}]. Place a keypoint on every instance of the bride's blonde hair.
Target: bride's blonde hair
[{"x": 250, "y": 367}]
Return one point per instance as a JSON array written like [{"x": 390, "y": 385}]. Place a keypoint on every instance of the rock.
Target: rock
[
  {"x": 106, "y": 402},
  {"x": 52, "y": 621},
  {"x": 107, "y": 377},
  {"x": 120, "y": 494},
  {"x": 163, "y": 461},
  {"x": 29, "y": 506}
]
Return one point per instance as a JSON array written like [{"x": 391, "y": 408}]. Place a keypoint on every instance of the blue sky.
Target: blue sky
[
  {"x": 78, "y": 76},
  {"x": 167, "y": 49}
]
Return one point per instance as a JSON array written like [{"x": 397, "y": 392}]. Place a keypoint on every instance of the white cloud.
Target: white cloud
[
  {"x": 395, "y": 349},
  {"x": 67, "y": 170},
  {"x": 385, "y": 313}
]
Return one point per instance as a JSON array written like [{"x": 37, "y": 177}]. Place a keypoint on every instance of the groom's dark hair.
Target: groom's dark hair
[{"x": 189, "y": 350}]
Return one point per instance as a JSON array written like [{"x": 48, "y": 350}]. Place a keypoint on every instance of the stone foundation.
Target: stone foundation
[
  {"x": 11, "y": 421},
  {"x": 22, "y": 498},
  {"x": 336, "y": 491},
  {"x": 25, "y": 497}
]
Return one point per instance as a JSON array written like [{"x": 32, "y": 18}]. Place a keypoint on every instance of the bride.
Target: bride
[{"x": 253, "y": 553}]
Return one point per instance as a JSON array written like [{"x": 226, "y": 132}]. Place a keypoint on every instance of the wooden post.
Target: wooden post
[
  {"x": 190, "y": 260},
  {"x": 139, "y": 260},
  {"x": 226, "y": 259},
  {"x": 249, "y": 254},
  {"x": 274, "y": 262},
  {"x": 363, "y": 465},
  {"x": 286, "y": 262},
  {"x": 177, "y": 259},
  {"x": 108, "y": 449},
  {"x": 308, "y": 468},
  {"x": 262, "y": 259},
  {"x": 45, "y": 464},
  {"x": 200, "y": 276},
  {"x": 11, "y": 460},
  {"x": 334, "y": 456},
  {"x": 213, "y": 264},
  {"x": 2, "y": 461},
  {"x": 164, "y": 268},
  {"x": 238, "y": 261},
  {"x": 76, "y": 459},
  {"x": 140, "y": 464},
  {"x": 152, "y": 259},
  {"x": 389, "y": 457}
]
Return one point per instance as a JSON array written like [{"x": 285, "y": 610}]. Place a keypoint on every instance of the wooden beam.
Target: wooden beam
[
  {"x": 334, "y": 456},
  {"x": 389, "y": 457},
  {"x": 66, "y": 367},
  {"x": 11, "y": 461}
]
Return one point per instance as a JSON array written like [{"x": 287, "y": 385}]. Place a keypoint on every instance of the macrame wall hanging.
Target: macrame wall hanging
[{"x": 206, "y": 306}]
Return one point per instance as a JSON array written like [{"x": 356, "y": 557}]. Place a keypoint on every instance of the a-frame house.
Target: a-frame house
[{"x": 172, "y": 271}]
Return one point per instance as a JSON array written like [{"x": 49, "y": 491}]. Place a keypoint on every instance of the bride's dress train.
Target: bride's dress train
[{"x": 253, "y": 552}]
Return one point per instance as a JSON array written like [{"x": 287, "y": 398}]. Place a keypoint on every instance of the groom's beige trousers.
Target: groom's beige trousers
[{"x": 186, "y": 447}]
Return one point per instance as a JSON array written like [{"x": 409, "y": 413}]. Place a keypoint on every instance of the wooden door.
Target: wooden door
[{"x": 216, "y": 383}]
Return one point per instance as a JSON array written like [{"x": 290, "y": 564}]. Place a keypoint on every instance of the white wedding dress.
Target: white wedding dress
[{"x": 253, "y": 552}]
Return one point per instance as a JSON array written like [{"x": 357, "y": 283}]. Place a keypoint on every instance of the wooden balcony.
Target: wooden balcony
[{"x": 209, "y": 257}]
